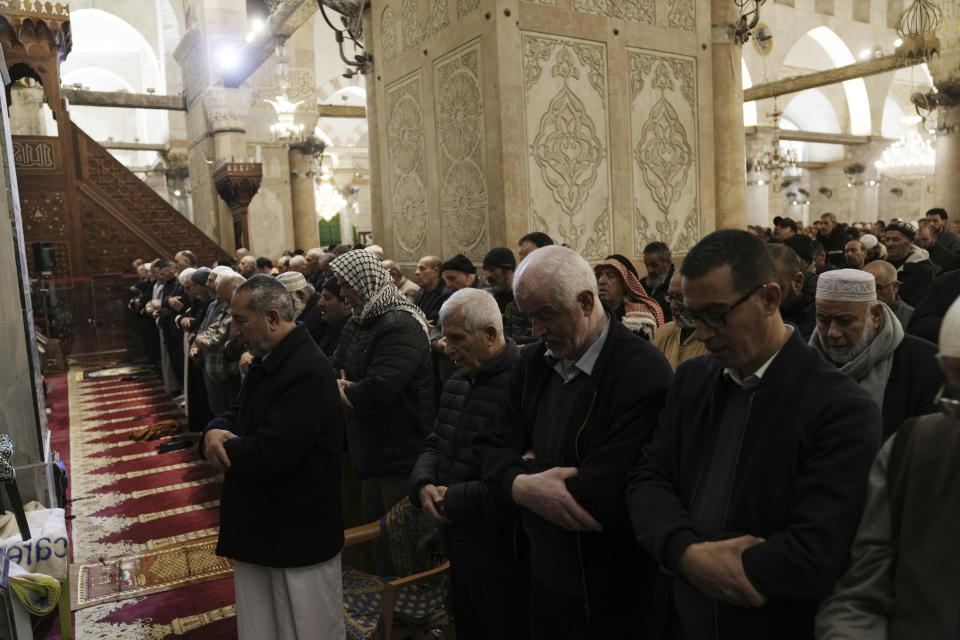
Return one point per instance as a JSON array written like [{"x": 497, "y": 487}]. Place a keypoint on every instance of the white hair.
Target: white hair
[
  {"x": 185, "y": 275},
  {"x": 561, "y": 269},
  {"x": 476, "y": 307}
]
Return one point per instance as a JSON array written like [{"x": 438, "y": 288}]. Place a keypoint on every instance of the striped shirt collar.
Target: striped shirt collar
[{"x": 568, "y": 370}]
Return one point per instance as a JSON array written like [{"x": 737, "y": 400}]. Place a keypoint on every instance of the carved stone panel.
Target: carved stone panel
[
  {"x": 405, "y": 172},
  {"x": 460, "y": 151},
  {"x": 682, "y": 14},
  {"x": 665, "y": 154},
  {"x": 389, "y": 45},
  {"x": 567, "y": 136},
  {"x": 636, "y": 10},
  {"x": 413, "y": 31}
]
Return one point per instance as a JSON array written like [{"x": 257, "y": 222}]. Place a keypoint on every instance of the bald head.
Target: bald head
[
  {"x": 428, "y": 272},
  {"x": 888, "y": 286},
  {"x": 298, "y": 263}
]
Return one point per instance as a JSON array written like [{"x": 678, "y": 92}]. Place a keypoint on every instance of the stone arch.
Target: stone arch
[
  {"x": 838, "y": 54},
  {"x": 334, "y": 85}
]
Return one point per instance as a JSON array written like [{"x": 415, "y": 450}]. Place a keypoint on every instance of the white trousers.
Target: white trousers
[{"x": 302, "y": 603}]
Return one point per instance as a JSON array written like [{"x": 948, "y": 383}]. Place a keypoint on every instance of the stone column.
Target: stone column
[
  {"x": 26, "y": 111},
  {"x": 728, "y": 147},
  {"x": 302, "y": 158},
  {"x": 945, "y": 69}
]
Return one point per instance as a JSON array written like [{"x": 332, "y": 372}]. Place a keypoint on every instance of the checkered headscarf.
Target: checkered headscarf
[{"x": 365, "y": 275}]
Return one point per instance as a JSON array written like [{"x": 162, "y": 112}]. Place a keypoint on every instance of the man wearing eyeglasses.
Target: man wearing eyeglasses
[{"x": 750, "y": 489}]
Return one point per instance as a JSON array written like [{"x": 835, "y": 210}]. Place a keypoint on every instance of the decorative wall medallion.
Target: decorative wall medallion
[
  {"x": 663, "y": 133},
  {"x": 405, "y": 174},
  {"x": 567, "y": 132},
  {"x": 34, "y": 154},
  {"x": 389, "y": 47},
  {"x": 682, "y": 15},
  {"x": 460, "y": 152},
  {"x": 466, "y": 6},
  {"x": 636, "y": 10}
]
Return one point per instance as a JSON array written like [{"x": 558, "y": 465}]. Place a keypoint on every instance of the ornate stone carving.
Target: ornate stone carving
[
  {"x": 389, "y": 47},
  {"x": 548, "y": 3},
  {"x": 636, "y": 10},
  {"x": 226, "y": 109},
  {"x": 237, "y": 183},
  {"x": 413, "y": 31},
  {"x": 682, "y": 15},
  {"x": 567, "y": 133},
  {"x": 466, "y": 6},
  {"x": 460, "y": 133},
  {"x": 35, "y": 154},
  {"x": 663, "y": 134},
  {"x": 405, "y": 175}
]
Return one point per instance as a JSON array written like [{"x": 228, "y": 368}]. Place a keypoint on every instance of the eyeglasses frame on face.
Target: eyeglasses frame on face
[{"x": 721, "y": 316}]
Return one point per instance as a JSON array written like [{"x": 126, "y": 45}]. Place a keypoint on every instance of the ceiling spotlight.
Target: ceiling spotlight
[
  {"x": 177, "y": 193},
  {"x": 898, "y": 42},
  {"x": 250, "y": 37},
  {"x": 228, "y": 57},
  {"x": 256, "y": 25},
  {"x": 865, "y": 54}
]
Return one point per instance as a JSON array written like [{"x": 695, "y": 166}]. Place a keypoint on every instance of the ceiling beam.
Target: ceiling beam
[
  {"x": 87, "y": 98},
  {"x": 817, "y": 136},
  {"x": 340, "y": 111},
  {"x": 828, "y": 76}
]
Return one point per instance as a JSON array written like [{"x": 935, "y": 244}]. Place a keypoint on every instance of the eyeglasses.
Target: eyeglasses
[{"x": 715, "y": 319}]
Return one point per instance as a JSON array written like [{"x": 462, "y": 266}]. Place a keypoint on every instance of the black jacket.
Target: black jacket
[
  {"x": 482, "y": 529},
  {"x": 803, "y": 315},
  {"x": 281, "y": 504},
  {"x": 660, "y": 295},
  {"x": 801, "y": 470},
  {"x": 388, "y": 362},
  {"x": 915, "y": 378},
  {"x": 916, "y": 278},
  {"x": 312, "y": 318},
  {"x": 603, "y": 440},
  {"x": 928, "y": 315}
]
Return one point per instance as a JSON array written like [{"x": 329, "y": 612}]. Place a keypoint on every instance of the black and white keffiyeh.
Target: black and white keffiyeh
[{"x": 365, "y": 275}]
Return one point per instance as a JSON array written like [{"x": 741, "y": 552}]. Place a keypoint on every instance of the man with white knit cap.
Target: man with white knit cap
[
  {"x": 863, "y": 337},
  {"x": 305, "y": 298},
  {"x": 904, "y": 562}
]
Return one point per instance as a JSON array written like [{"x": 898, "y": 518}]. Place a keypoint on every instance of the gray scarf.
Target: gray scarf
[{"x": 871, "y": 367}]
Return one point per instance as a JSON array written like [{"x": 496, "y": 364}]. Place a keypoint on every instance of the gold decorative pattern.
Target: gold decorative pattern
[
  {"x": 460, "y": 142},
  {"x": 566, "y": 124},
  {"x": 663, "y": 134}
]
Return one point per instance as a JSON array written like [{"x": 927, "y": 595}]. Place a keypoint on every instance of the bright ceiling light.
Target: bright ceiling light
[
  {"x": 256, "y": 25},
  {"x": 911, "y": 120},
  {"x": 228, "y": 57},
  {"x": 898, "y": 42},
  {"x": 866, "y": 53}
]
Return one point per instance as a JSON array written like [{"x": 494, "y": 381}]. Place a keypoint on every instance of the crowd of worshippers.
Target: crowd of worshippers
[{"x": 592, "y": 475}]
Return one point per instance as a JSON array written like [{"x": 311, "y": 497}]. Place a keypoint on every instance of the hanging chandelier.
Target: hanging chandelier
[
  {"x": 329, "y": 201},
  {"x": 910, "y": 158},
  {"x": 286, "y": 128},
  {"x": 775, "y": 162}
]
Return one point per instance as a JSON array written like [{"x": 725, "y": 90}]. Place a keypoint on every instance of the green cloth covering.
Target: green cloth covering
[{"x": 38, "y": 593}]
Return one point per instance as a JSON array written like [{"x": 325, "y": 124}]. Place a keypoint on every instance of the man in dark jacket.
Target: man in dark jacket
[
  {"x": 280, "y": 445},
  {"x": 489, "y": 575},
  {"x": 914, "y": 268},
  {"x": 336, "y": 312},
  {"x": 304, "y": 298},
  {"x": 386, "y": 380},
  {"x": 927, "y": 316},
  {"x": 659, "y": 263},
  {"x": 863, "y": 337},
  {"x": 833, "y": 237},
  {"x": 750, "y": 489},
  {"x": 796, "y": 305},
  {"x": 580, "y": 405}
]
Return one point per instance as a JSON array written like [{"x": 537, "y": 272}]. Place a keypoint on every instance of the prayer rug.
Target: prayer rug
[
  {"x": 145, "y": 573},
  {"x": 110, "y": 372}
]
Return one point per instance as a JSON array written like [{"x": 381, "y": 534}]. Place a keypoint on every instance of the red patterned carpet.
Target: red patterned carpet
[{"x": 141, "y": 520}]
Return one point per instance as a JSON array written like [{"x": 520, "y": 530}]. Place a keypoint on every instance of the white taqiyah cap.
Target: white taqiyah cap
[
  {"x": 950, "y": 331},
  {"x": 292, "y": 280},
  {"x": 869, "y": 241},
  {"x": 847, "y": 285}
]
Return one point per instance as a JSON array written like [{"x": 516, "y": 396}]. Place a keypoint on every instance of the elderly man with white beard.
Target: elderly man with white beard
[{"x": 863, "y": 337}]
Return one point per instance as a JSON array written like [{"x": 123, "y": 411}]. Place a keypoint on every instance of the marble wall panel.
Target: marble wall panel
[
  {"x": 405, "y": 178},
  {"x": 460, "y": 153},
  {"x": 414, "y": 30},
  {"x": 566, "y": 130},
  {"x": 643, "y": 11},
  {"x": 664, "y": 144}
]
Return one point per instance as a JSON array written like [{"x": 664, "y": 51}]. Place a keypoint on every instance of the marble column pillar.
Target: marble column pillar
[{"x": 728, "y": 145}]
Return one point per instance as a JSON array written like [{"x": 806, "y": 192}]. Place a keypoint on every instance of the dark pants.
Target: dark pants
[
  {"x": 221, "y": 394},
  {"x": 490, "y": 606},
  {"x": 198, "y": 405},
  {"x": 377, "y": 495},
  {"x": 558, "y": 616}
]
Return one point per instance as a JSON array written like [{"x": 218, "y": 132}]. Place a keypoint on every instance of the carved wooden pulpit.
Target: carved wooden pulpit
[{"x": 237, "y": 183}]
